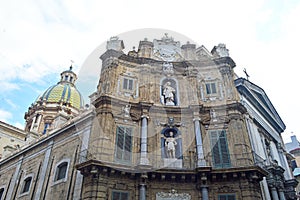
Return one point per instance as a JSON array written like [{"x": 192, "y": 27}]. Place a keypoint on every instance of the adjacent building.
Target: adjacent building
[
  {"x": 293, "y": 148},
  {"x": 11, "y": 139},
  {"x": 167, "y": 121}
]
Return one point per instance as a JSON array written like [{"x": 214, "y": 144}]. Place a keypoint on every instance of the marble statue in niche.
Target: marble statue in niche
[
  {"x": 170, "y": 144},
  {"x": 168, "y": 94},
  {"x": 126, "y": 110}
]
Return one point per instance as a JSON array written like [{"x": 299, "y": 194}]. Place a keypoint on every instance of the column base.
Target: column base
[
  {"x": 144, "y": 161},
  {"x": 201, "y": 163}
]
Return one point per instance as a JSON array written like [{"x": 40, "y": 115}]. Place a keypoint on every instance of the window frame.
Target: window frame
[
  {"x": 46, "y": 126},
  {"x": 123, "y": 150},
  {"x": 57, "y": 171},
  {"x": 129, "y": 86},
  {"x": 24, "y": 182},
  {"x": 220, "y": 148},
  {"x": 211, "y": 91},
  {"x": 120, "y": 192},
  {"x": 227, "y": 196}
]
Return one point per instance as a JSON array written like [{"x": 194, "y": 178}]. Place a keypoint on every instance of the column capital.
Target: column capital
[
  {"x": 197, "y": 119},
  {"x": 145, "y": 116}
]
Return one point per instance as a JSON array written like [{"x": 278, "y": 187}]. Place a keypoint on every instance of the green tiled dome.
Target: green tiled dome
[{"x": 64, "y": 91}]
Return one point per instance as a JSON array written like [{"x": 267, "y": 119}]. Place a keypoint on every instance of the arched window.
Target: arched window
[
  {"x": 26, "y": 184},
  {"x": 61, "y": 171}
]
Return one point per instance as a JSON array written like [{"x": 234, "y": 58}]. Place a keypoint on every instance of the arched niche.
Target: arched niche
[
  {"x": 169, "y": 93},
  {"x": 166, "y": 133}
]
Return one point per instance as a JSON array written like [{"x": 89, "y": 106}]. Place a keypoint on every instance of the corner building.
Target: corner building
[
  {"x": 174, "y": 122},
  {"x": 168, "y": 122}
]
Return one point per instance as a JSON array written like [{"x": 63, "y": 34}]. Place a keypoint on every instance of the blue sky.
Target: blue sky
[{"x": 39, "y": 38}]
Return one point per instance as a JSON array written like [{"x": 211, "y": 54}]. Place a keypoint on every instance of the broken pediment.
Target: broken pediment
[{"x": 202, "y": 52}]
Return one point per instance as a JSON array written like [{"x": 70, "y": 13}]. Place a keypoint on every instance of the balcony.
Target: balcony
[{"x": 187, "y": 162}]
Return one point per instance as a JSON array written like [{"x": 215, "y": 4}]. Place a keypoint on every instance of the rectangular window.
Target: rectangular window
[
  {"x": 123, "y": 144},
  {"x": 127, "y": 84},
  {"x": 117, "y": 195},
  {"x": 47, "y": 125},
  {"x": 226, "y": 197},
  {"x": 211, "y": 88},
  {"x": 220, "y": 153}
]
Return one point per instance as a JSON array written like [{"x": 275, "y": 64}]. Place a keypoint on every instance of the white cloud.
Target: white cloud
[
  {"x": 19, "y": 125},
  {"x": 39, "y": 38},
  {"x": 10, "y": 103},
  {"x": 5, "y": 116},
  {"x": 6, "y": 86}
]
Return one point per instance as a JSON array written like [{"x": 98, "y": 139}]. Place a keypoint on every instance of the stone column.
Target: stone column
[
  {"x": 287, "y": 173},
  {"x": 204, "y": 192},
  {"x": 281, "y": 194},
  {"x": 33, "y": 123},
  {"x": 144, "y": 134},
  {"x": 266, "y": 188},
  {"x": 200, "y": 157},
  {"x": 142, "y": 191},
  {"x": 274, "y": 193}
]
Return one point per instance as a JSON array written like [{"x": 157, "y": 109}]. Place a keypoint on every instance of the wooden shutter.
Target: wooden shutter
[
  {"x": 116, "y": 195},
  {"x": 220, "y": 153},
  {"x": 123, "y": 143}
]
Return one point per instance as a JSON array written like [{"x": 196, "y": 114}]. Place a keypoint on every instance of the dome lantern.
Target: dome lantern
[{"x": 68, "y": 76}]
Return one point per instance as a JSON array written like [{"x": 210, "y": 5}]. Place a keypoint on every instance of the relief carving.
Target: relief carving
[{"x": 172, "y": 195}]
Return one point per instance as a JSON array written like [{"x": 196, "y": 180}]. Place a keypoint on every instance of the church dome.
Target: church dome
[{"x": 64, "y": 92}]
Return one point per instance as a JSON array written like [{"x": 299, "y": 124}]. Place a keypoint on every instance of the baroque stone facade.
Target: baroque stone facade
[
  {"x": 167, "y": 121},
  {"x": 186, "y": 128}
]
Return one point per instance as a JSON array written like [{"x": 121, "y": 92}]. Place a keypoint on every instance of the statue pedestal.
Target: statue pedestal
[
  {"x": 172, "y": 163},
  {"x": 170, "y": 103}
]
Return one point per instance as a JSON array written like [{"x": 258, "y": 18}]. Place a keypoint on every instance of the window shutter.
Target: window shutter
[
  {"x": 220, "y": 153},
  {"x": 130, "y": 84},
  {"x": 123, "y": 144},
  {"x": 120, "y": 142},
  {"x": 213, "y": 88},
  {"x": 226, "y": 197},
  {"x": 125, "y": 83},
  {"x": 128, "y": 143},
  {"x": 215, "y": 148},
  {"x": 116, "y": 195},
  {"x": 231, "y": 197},
  {"x": 124, "y": 196},
  {"x": 208, "y": 91},
  {"x": 224, "y": 149}
]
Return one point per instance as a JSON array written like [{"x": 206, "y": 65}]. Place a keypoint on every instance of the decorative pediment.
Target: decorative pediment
[
  {"x": 259, "y": 99},
  {"x": 202, "y": 52}
]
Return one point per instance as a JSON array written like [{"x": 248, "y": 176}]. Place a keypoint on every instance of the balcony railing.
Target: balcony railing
[{"x": 187, "y": 162}]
